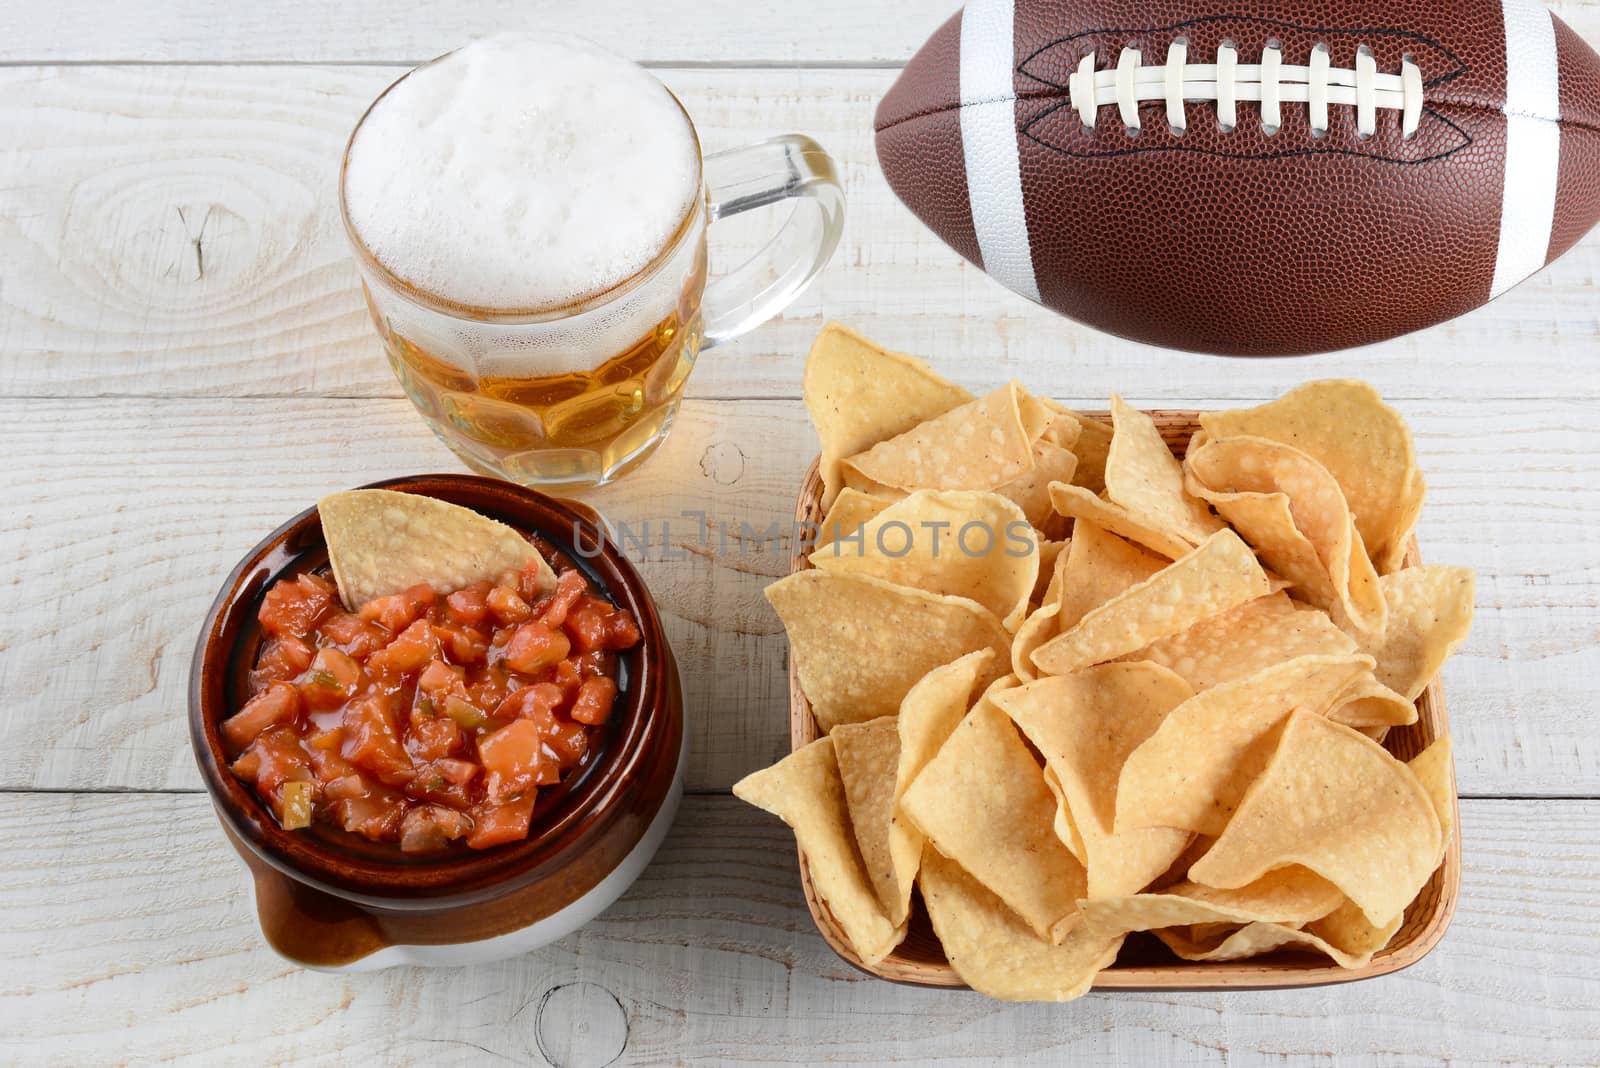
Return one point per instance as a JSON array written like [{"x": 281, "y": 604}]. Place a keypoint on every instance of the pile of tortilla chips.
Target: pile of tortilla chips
[{"x": 1073, "y": 687}]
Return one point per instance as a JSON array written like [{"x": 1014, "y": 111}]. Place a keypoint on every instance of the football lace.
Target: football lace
[{"x": 1271, "y": 83}]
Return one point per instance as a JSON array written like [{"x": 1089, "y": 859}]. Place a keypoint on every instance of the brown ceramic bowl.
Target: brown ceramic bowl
[{"x": 329, "y": 899}]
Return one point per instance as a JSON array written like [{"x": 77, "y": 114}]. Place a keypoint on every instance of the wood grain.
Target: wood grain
[
  {"x": 173, "y": 231},
  {"x": 752, "y": 32},
  {"x": 838, "y": 32},
  {"x": 133, "y": 941},
  {"x": 124, "y": 515}
]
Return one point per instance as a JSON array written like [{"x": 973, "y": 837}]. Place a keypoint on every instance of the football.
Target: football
[{"x": 1275, "y": 177}]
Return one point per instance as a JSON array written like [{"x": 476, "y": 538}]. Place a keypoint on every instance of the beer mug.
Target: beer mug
[{"x": 529, "y": 219}]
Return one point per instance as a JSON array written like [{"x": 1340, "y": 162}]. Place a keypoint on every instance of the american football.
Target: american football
[{"x": 1275, "y": 177}]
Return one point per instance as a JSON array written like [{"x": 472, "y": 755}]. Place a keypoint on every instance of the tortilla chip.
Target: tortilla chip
[
  {"x": 868, "y": 755},
  {"x": 1430, "y": 614},
  {"x": 1049, "y": 553},
  {"x": 805, "y": 791},
  {"x": 1434, "y": 768},
  {"x": 1093, "y": 448},
  {"x": 1078, "y": 503},
  {"x": 1337, "y": 803},
  {"x": 1343, "y": 578},
  {"x": 1219, "y": 575},
  {"x": 1178, "y": 871},
  {"x": 1246, "y": 639},
  {"x": 859, "y": 394},
  {"x": 1369, "y": 703},
  {"x": 960, "y": 543},
  {"x": 1041, "y": 624},
  {"x": 851, "y": 510},
  {"x": 978, "y": 446},
  {"x": 1031, "y": 490},
  {"x": 995, "y": 953},
  {"x": 934, "y": 708},
  {"x": 1098, "y": 567},
  {"x": 1350, "y": 936},
  {"x": 1253, "y": 940},
  {"x": 1292, "y": 895},
  {"x": 382, "y": 542},
  {"x": 1152, "y": 912},
  {"x": 1345, "y": 426},
  {"x": 982, "y": 802},
  {"x": 860, "y": 644},
  {"x": 1066, "y": 829},
  {"x": 928, "y": 716},
  {"x": 1197, "y": 766},
  {"x": 1086, "y": 724},
  {"x": 1144, "y": 477}
]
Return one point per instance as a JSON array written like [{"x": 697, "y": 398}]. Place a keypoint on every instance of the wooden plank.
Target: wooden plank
[
  {"x": 834, "y": 32},
  {"x": 124, "y": 515},
  {"x": 715, "y": 31},
  {"x": 174, "y": 231},
  {"x": 129, "y": 938}
]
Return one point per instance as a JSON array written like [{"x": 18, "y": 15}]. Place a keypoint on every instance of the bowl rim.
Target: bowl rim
[
  {"x": 581, "y": 812},
  {"x": 1279, "y": 970}
]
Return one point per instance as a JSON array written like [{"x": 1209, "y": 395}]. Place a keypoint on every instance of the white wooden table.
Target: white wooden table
[{"x": 185, "y": 361}]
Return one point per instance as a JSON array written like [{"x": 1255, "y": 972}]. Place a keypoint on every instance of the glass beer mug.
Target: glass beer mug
[{"x": 529, "y": 218}]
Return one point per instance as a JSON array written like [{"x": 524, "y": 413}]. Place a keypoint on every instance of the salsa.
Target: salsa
[{"x": 422, "y": 719}]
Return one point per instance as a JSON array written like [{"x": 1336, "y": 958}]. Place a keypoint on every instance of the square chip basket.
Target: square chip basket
[{"x": 1144, "y": 963}]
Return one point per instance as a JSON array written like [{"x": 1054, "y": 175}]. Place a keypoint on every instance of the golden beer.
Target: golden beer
[{"x": 529, "y": 217}]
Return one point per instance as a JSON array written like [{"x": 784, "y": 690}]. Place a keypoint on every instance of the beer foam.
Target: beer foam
[{"x": 522, "y": 172}]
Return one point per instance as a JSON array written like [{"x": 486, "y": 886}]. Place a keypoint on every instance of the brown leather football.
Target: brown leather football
[{"x": 1277, "y": 177}]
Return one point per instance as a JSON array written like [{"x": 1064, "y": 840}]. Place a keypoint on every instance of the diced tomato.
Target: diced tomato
[
  {"x": 439, "y": 678},
  {"x": 432, "y": 735},
  {"x": 435, "y": 783},
  {"x": 594, "y": 625},
  {"x": 598, "y": 662},
  {"x": 594, "y": 700},
  {"x": 588, "y": 625},
  {"x": 372, "y": 741},
  {"x": 365, "y": 808},
  {"x": 508, "y": 606},
  {"x": 468, "y": 607},
  {"x": 535, "y": 646},
  {"x": 278, "y": 703},
  {"x": 333, "y": 679},
  {"x": 567, "y": 741},
  {"x": 490, "y": 689},
  {"x": 567, "y": 677},
  {"x": 353, "y": 634},
  {"x": 426, "y": 718},
  {"x": 537, "y": 702},
  {"x": 248, "y": 766},
  {"x": 498, "y": 823},
  {"x": 427, "y": 828},
  {"x": 397, "y": 611},
  {"x": 292, "y": 609},
  {"x": 326, "y": 760},
  {"x": 513, "y": 757},
  {"x": 345, "y": 787},
  {"x": 536, "y": 581},
  {"x": 409, "y": 652},
  {"x": 280, "y": 661},
  {"x": 280, "y": 759},
  {"x": 464, "y": 645},
  {"x": 570, "y": 586}
]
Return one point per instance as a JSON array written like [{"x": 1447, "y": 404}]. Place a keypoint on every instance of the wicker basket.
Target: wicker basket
[{"x": 1144, "y": 963}]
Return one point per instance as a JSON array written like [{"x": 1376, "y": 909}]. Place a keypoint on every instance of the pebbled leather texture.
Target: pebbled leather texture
[{"x": 1239, "y": 242}]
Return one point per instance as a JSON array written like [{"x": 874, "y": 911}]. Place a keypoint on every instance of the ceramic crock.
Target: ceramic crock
[{"x": 330, "y": 900}]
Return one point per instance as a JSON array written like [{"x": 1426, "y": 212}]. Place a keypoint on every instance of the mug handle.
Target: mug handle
[{"x": 791, "y": 167}]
